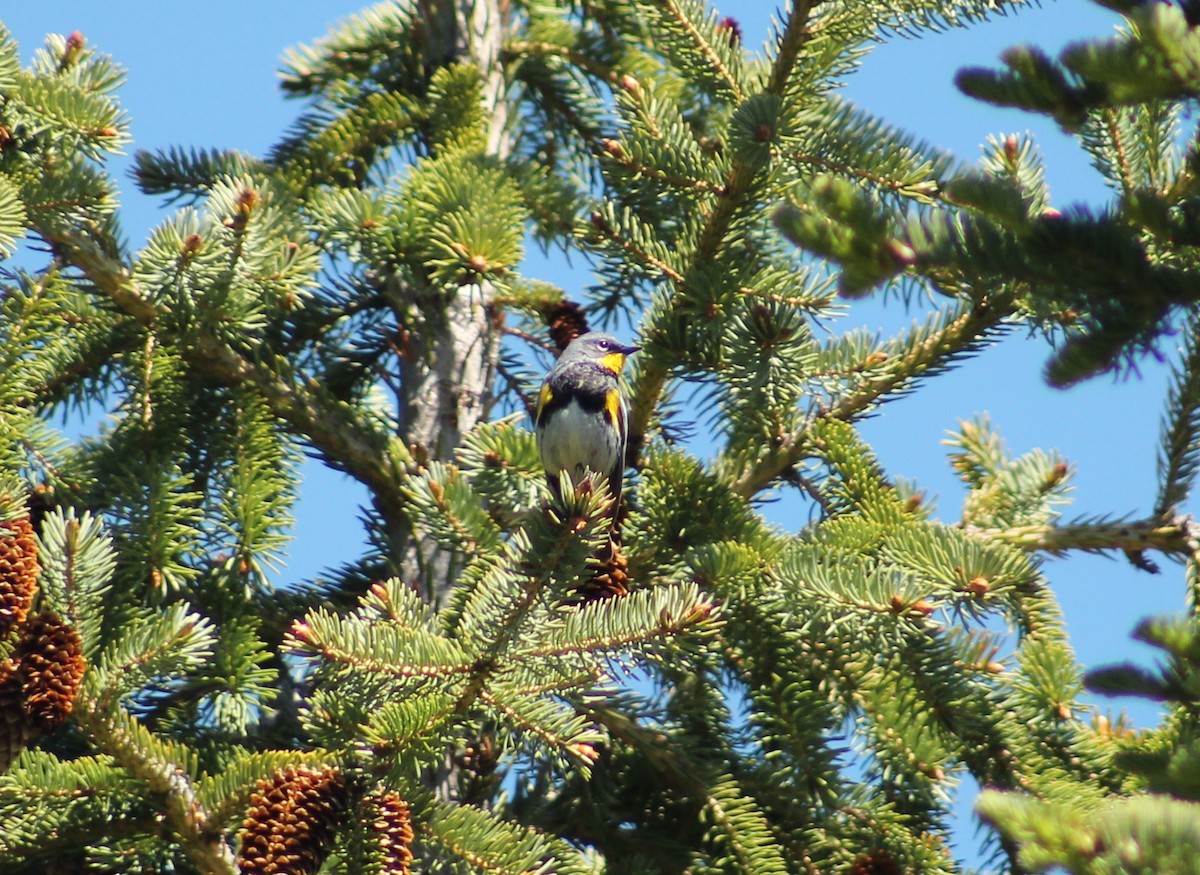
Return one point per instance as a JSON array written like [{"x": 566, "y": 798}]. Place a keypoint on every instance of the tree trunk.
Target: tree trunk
[{"x": 452, "y": 352}]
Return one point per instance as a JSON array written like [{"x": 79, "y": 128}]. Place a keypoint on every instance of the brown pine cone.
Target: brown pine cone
[
  {"x": 566, "y": 321},
  {"x": 610, "y": 576},
  {"x": 392, "y": 831},
  {"x": 878, "y": 862},
  {"x": 292, "y": 818},
  {"x": 18, "y": 572},
  {"x": 51, "y": 666}
]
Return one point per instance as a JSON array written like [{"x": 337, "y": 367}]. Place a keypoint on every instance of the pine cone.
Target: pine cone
[
  {"x": 51, "y": 667},
  {"x": 878, "y": 862},
  {"x": 392, "y": 831},
  {"x": 480, "y": 757},
  {"x": 18, "y": 572},
  {"x": 41, "y": 501},
  {"x": 610, "y": 576},
  {"x": 292, "y": 818},
  {"x": 478, "y": 762},
  {"x": 566, "y": 321}
]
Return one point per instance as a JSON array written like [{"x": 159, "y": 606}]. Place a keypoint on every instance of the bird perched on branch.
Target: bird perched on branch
[{"x": 581, "y": 420}]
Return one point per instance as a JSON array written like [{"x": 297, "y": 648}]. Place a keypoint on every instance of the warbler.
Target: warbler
[{"x": 581, "y": 420}]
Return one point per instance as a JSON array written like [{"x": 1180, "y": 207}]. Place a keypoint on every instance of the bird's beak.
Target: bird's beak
[{"x": 615, "y": 360}]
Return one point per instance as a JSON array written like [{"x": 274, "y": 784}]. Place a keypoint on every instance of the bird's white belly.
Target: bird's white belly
[{"x": 576, "y": 440}]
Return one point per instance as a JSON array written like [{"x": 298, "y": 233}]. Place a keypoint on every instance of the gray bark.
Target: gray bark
[{"x": 449, "y": 371}]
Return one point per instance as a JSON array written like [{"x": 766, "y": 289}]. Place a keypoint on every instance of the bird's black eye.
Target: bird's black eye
[{"x": 603, "y": 344}]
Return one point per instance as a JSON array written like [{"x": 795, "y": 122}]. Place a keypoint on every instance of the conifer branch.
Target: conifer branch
[
  {"x": 1178, "y": 456},
  {"x": 542, "y": 49},
  {"x": 795, "y": 35},
  {"x": 1192, "y": 576},
  {"x": 106, "y": 273},
  {"x": 711, "y": 56},
  {"x": 60, "y": 380},
  {"x": 613, "y": 151},
  {"x": 1178, "y": 537},
  {"x": 960, "y": 334},
  {"x": 744, "y": 832},
  {"x": 534, "y": 575},
  {"x": 1124, "y": 171},
  {"x": 673, "y": 761},
  {"x": 133, "y": 746},
  {"x": 328, "y": 424},
  {"x": 517, "y": 718},
  {"x": 935, "y": 350},
  {"x": 653, "y": 378},
  {"x": 924, "y": 191},
  {"x": 604, "y": 228},
  {"x": 497, "y": 621},
  {"x": 388, "y": 668}
]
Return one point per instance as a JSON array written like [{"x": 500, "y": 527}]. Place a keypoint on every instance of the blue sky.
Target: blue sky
[{"x": 210, "y": 80}]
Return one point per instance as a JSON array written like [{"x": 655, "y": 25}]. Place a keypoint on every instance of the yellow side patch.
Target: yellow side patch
[
  {"x": 614, "y": 361},
  {"x": 544, "y": 397},
  {"x": 612, "y": 406}
]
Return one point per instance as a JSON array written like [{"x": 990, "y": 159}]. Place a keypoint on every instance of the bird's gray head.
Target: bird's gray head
[{"x": 599, "y": 347}]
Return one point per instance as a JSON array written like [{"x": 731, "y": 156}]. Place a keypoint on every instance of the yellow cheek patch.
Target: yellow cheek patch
[
  {"x": 614, "y": 361},
  {"x": 544, "y": 398},
  {"x": 612, "y": 406}
]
